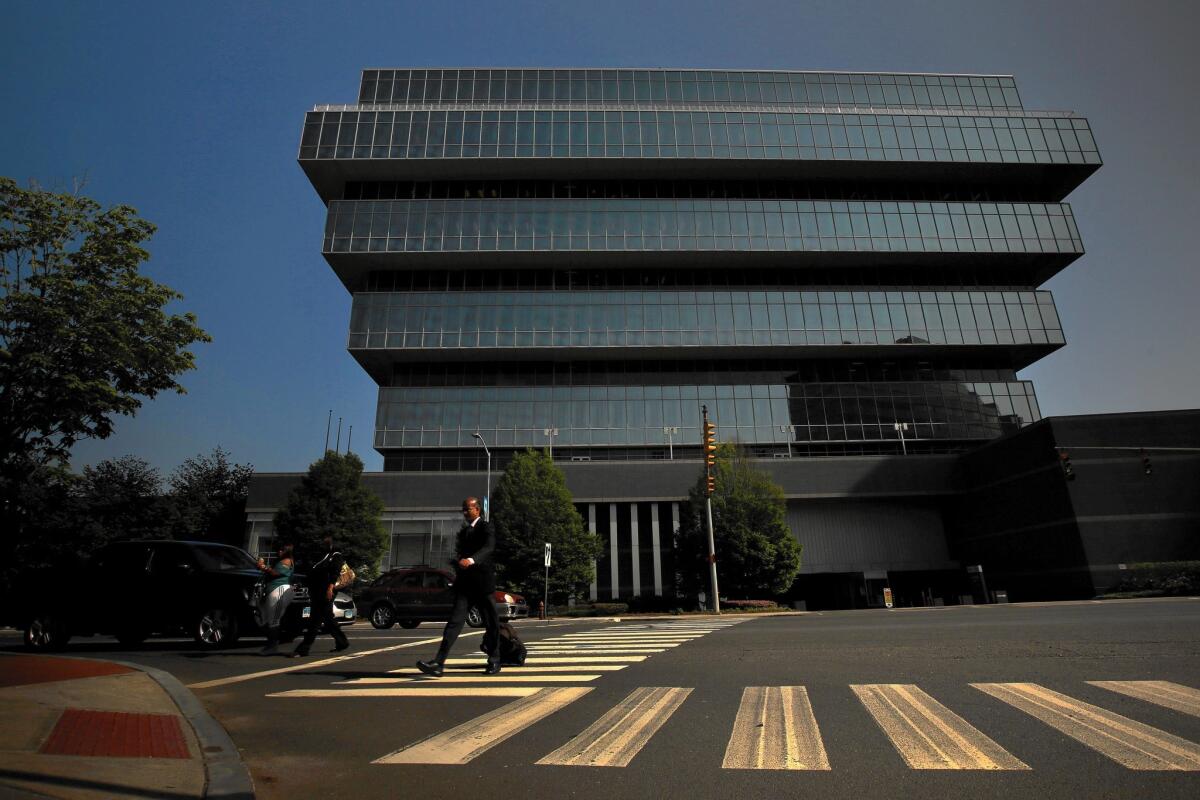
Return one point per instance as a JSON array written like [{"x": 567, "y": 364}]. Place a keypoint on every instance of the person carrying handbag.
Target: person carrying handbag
[{"x": 324, "y": 577}]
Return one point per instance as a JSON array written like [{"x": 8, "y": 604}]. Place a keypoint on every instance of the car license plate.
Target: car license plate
[{"x": 306, "y": 613}]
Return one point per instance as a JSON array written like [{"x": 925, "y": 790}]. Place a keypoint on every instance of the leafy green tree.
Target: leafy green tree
[
  {"x": 331, "y": 501},
  {"x": 757, "y": 556},
  {"x": 70, "y": 516},
  {"x": 531, "y": 505},
  {"x": 208, "y": 498},
  {"x": 83, "y": 335},
  {"x": 123, "y": 499}
]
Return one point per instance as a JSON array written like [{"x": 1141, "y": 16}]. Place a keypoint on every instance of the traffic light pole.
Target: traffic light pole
[
  {"x": 712, "y": 559},
  {"x": 710, "y": 447}
]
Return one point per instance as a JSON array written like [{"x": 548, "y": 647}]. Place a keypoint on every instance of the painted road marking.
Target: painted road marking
[
  {"x": 1163, "y": 693},
  {"x": 417, "y": 677},
  {"x": 324, "y": 662},
  {"x": 461, "y": 669},
  {"x": 415, "y": 690},
  {"x": 927, "y": 734},
  {"x": 535, "y": 652},
  {"x": 775, "y": 729},
  {"x": 1124, "y": 740},
  {"x": 462, "y": 743},
  {"x": 577, "y": 659},
  {"x": 619, "y": 735}
]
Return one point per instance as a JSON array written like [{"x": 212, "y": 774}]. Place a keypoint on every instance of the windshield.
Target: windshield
[{"x": 222, "y": 557}]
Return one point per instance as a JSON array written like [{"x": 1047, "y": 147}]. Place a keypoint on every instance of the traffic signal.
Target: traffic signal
[
  {"x": 710, "y": 444},
  {"x": 710, "y": 485},
  {"x": 1064, "y": 458},
  {"x": 1147, "y": 467}
]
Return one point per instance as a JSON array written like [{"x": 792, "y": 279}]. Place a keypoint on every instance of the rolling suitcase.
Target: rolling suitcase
[{"x": 512, "y": 649}]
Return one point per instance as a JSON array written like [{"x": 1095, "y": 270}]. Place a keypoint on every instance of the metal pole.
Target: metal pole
[
  {"x": 348, "y": 435},
  {"x": 712, "y": 559},
  {"x": 712, "y": 547},
  {"x": 338, "y": 447},
  {"x": 546, "y": 594},
  {"x": 328, "y": 422},
  {"x": 487, "y": 497}
]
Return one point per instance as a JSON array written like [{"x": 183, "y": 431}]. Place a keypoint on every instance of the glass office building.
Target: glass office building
[{"x": 583, "y": 258}]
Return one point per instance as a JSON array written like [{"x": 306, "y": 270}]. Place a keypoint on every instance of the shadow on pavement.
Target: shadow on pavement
[{"x": 83, "y": 783}]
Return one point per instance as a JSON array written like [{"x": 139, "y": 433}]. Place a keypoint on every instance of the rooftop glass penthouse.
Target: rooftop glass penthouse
[{"x": 595, "y": 252}]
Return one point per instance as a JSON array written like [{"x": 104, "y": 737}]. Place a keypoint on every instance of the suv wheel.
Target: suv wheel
[
  {"x": 216, "y": 627},
  {"x": 474, "y": 617},
  {"x": 382, "y": 617},
  {"x": 46, "y": 632}
]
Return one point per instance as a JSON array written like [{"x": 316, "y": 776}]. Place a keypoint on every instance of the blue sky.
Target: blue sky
[{"x": 191, "y": 113}]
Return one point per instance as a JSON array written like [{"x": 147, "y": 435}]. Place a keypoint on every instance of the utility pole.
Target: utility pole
[
  {"x": 710, "y": 485},
  {"x": 900, "y": 428},
  {"x": 551, "y": 432},
  {"x": 348, "y": 435},
  {"x": 328, "y": 422},
  {"x": 337, "y": 447}
]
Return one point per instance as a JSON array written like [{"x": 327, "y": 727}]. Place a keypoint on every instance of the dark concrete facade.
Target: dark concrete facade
[{"x": 912, "y": 523}]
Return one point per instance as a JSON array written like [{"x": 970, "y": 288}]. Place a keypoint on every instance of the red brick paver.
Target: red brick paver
[
  {"x": 80, "y": 732},
  {"x": 25, "y": 670}
]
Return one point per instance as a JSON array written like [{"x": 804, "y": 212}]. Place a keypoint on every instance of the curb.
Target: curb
[{"x": 226, "y": 775}]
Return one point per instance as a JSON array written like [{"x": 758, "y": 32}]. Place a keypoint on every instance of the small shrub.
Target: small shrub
[
  {"x": 606, "y": 609},
  {"x": 749, "y": 605}
]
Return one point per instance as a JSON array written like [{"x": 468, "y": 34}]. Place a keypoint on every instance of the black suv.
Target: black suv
[{"x": 134, "y": 589}]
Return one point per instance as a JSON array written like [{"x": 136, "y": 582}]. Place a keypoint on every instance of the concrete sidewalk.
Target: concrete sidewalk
[{"x": 83, "y": 728}]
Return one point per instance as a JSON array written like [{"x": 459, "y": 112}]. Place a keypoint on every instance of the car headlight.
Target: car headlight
[{"x": 508, "y": 598}]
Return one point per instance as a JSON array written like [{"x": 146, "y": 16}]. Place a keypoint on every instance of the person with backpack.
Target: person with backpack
[
  {"x": 277, "y": 594},
  {"x": 474, "y": 585},
  {"x": 326, "y": 575}
]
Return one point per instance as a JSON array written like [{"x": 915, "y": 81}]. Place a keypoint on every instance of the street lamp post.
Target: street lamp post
[
  {"x": 487, "y": 497},
  {"x": 790, "y": 430},
  {"x": 551, "y": 432},
  {"x": 670, "y": 431},
  {"x": 900, "y": 428}
]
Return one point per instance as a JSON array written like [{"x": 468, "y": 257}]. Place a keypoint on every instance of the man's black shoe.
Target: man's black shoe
[
  {"x": 339, "y": 648},
  {"x": 297, "y": 654},
  {"x": 493, "y": 667},
  {"x": 433, "y": 668}
]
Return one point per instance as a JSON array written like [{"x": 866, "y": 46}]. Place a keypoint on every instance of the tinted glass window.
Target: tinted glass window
[
  {"x": 435, "y": 580},
  {"x": 223, "y": 558}
]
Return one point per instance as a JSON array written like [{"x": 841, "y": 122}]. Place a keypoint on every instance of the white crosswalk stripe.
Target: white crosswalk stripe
[{"x": 775, "y": 726}]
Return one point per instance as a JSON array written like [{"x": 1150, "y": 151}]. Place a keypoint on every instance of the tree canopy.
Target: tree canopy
[
  {"x": 208, "y": 498},
  {"x": 83, "y": 335},
  {"x": 331, "y": 501},
  {"x": 531, "y": 505},
  {"x": 757, "y": 555}
]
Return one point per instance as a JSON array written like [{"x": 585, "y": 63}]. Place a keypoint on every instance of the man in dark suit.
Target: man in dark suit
[{"x": 474, "y": 583}]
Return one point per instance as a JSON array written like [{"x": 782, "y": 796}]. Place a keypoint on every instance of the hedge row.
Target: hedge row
[{"x": 1162, "y": 577}]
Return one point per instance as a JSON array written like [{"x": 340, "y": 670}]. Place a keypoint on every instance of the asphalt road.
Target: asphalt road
[{"x": 902, "y": 703}]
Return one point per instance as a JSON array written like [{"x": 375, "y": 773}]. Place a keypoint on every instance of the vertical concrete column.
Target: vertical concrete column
[
  {"x": 594, "y": 593},
  {"x": 635, "y": 550},
  {"x": 656, "y": 543},
  {"x": 614, "y": 565}
]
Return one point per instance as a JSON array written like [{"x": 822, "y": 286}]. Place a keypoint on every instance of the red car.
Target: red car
[{"x": 424, "y": 594}]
